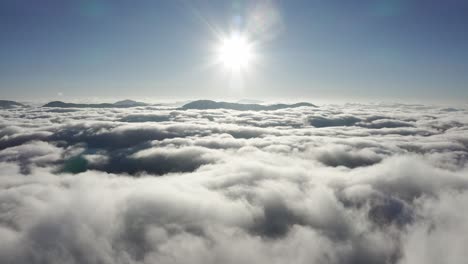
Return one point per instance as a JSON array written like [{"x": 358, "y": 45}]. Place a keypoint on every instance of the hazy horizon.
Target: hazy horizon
[{"x": 178, "y": 100}]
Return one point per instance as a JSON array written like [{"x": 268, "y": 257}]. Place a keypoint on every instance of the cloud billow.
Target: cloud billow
[{"x": 328, "y": 184}]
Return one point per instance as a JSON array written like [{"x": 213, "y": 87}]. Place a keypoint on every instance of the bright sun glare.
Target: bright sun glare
[{"x": 235, "y": 52}]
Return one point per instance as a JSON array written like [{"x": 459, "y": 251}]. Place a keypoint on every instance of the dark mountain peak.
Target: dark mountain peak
[
  {"x": 56, "y": 104},
  {"x": 119, "y": 104},
  {"x": 10, "y": 104},
  {"x": 129, "y": 103},
  {"x": 209, "y": 104}
]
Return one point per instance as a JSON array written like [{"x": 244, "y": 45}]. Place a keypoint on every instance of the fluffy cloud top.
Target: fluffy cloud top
[{"x": 332, "y": 184}]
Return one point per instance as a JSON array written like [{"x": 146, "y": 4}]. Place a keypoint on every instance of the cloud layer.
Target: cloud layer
[{"x": 333, "y": 184}]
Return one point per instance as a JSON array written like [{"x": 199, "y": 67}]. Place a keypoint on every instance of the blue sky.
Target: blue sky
[{"x": 346, "y": 50}]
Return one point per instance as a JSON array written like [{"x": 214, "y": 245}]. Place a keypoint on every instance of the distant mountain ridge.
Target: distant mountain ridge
[
  {"x": 10, "y": 104},
  {"x": 119, "y": 104},
  {"x": 208, "y": 104},
  {"x": 129, "y": 103}
]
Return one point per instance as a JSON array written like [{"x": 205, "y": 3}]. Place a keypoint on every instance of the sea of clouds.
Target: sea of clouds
[{"x": 352, "y": 183}]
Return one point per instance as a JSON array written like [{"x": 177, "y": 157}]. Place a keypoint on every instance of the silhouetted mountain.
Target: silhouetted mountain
[
  {"x": 119, "y": 104},
  {"x": 10, "y": 104},
  {"x": 208, "y": 104},
  {"x": 129, "y": 103}
]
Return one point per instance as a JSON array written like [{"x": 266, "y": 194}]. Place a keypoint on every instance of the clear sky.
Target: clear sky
[{"x": 374, "y": 49}]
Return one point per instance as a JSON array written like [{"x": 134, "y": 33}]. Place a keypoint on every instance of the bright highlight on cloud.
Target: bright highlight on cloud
[{"x": 154, "y": 184}]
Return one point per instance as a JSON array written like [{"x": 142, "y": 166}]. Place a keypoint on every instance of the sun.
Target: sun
[{"x": 235, "y": 52}]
